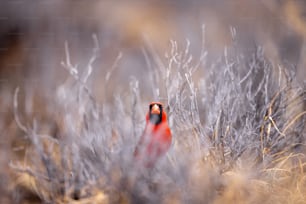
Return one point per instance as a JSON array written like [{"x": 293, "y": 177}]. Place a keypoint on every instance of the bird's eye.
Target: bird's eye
[{"x": 160, "y": 106}]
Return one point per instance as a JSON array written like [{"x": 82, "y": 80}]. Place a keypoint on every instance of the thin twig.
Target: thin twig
[
  {"x": 16, "y": 116},
  {"x": 29, "y": 171},
  {"x": 293, "y": 121}
]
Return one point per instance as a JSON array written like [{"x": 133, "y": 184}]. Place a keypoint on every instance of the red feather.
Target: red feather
[{"x": 155, "y": 140}]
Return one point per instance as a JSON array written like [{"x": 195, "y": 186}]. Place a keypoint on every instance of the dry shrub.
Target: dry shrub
[{"x": 238, "y": 135}]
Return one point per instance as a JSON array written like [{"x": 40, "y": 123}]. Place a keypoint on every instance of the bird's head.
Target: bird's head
[{"x": 156, "y": 113}]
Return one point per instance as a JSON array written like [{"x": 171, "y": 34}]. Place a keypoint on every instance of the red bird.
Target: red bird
[{"x": 156, "y": 138}]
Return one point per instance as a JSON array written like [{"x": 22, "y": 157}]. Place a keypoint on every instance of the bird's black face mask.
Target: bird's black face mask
[{"x": 154, "y": 117}]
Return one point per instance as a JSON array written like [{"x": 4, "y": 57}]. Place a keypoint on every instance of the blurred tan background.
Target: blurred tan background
[{"x": 33, "y": 33}]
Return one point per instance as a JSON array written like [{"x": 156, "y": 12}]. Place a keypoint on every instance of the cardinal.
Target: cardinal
[{"x": 156, "y": 138}]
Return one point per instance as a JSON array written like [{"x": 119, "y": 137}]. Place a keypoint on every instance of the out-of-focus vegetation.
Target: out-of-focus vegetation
[{"x": 76, "y": 78}]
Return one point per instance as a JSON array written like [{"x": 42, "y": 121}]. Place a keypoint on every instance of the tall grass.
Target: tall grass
[{"x": 238, "y": 135}]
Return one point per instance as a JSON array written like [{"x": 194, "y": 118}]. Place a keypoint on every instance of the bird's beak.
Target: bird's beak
[{"x": 155, "y": 109}]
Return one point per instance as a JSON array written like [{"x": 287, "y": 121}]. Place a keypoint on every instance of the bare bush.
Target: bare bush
[{"x": 238, "y": 127}]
